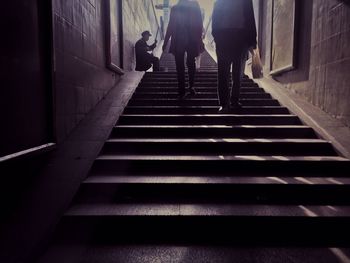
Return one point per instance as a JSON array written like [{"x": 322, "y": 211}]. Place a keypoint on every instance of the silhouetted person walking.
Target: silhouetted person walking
[
  {"x": 145, "y": 60},
  {"x": 234, "y": 33},
  {"x": 185, "y": 30}
]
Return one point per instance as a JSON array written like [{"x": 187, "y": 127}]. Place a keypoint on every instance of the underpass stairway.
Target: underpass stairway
[{"x": 177, "y": 172}]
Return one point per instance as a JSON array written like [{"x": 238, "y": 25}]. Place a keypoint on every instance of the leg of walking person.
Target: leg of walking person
[
  {"x": 224, "y": 66},
  {"x": 180, "y": 69},
  {"x": 191, "y": 65},
  {"x": 244, "y": 62},
  {"x": 236, "y": 78}
]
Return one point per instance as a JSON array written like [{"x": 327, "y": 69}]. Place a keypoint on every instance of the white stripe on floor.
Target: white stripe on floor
[
  {"x": 308, "y": 212},
  {"x": 334, "y": 181},
  {"x": 277, "y": 180},
  {"x": 303, "y": 180},
  {"x": 340, "y": 255}
]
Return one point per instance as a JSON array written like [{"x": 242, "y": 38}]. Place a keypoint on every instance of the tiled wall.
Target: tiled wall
[
  {"x": 330, "y": 58},
  {"x": 322, "y": 75},
  {"x": 82, "y": 78}
]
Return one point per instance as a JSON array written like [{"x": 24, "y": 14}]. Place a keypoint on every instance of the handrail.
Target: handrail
[
  {"x": 208, "y": 25},
  {"x": 28, "y": 152},
  {"x": 155, "y": 15}
]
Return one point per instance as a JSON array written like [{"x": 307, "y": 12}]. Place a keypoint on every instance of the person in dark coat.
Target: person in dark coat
[
  {"x": 185, "y": 30},
  {"x": 234, "y": 31},
  {"x": 145, "y": 60}
]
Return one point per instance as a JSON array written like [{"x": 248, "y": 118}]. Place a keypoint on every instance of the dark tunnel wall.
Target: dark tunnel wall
[{"x": 26, "y": 102}]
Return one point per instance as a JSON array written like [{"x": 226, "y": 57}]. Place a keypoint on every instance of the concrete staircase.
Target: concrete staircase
[{"x": 177, "y": 173}]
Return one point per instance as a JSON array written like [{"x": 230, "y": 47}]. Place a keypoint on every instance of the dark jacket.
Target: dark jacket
[
  {"x": 143, "y": 58},
  {"x": 231, "y": 17},
  {"x": 185, "y": 28}
]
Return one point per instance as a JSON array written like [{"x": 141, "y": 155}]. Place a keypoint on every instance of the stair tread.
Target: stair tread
[
  {"x": 207, "y": 253},
  {"x": 197, "y": 93},
  {"x": 198, "y": 99},
  {"x": 251, "y": 158},
  {"x": 209, "y": 119},
  {"x": 211, "y": 115},
  {"x": 214, "y": 126},
  {"x": 197, "y": 109},
  {"x": 200, "y": 106},
  {"x": 218, "y": 180},
  {"x": 224, "y": 140},
  {"x": 214, "y": 210}
]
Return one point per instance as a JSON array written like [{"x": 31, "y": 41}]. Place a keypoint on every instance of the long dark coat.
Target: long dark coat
[
  {"x": 185, "y": 29},
  {"x": 223, "y": 23}
]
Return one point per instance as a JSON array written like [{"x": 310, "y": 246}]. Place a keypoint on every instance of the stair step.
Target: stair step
[
  {"x": 198, "y": 89},
  {"x": 222, "y": 159},
  {"x": 199, "y": 102},
  {"x": 172, "y": 69},
  {"x": 214, "y": 131},
  {"x": 197, "y": 84},
  {"x": 210, "y": 180},
  {"x": 202, "y": 110},
  {"x": 216, "y": 210},
  {"x": 222, "y": 165},
  {"x": 221, "y": 146},
  {"x": 199, "y": 95},
  {"x": 214, "y": 224},
  {"x": 213, "y": 254},
  {"x": 197, "y": 80},
  {"x": 306, "y": 191},
  {"x": 215, "y": 119},
  {"x": 201, "y": 73},
  {"x": 220, "y": 190},
  {"x": 203, "y": 78}
]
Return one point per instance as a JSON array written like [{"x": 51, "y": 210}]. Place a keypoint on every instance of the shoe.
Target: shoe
[
  {"x": 224, "y": 110},
  {"x": 192, "y": 91},
  {"x": 236, "y": 105},
  {"x": 182, "y": 96}
]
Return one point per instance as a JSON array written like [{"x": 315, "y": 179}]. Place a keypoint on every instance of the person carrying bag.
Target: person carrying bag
[{"x": 257, "y": 67}]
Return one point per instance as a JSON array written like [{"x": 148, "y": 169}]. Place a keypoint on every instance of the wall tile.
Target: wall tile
[{"x": 327, "y": 85}]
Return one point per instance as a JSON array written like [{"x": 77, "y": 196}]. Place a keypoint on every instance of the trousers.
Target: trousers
[
  {"x": 180, "y": 69},
  {"x": 231, "y": 53}
]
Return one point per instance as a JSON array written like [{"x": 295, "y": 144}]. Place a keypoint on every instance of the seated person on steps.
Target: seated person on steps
[{"x": 145, "y": 60}]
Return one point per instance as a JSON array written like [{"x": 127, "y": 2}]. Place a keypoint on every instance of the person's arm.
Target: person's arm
[
  {"x": 152, "y": 47},
  {"x": 197, "y": 20},
  {"x": 170, "y": 28},
  {"x": 200, "y": 22}
]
